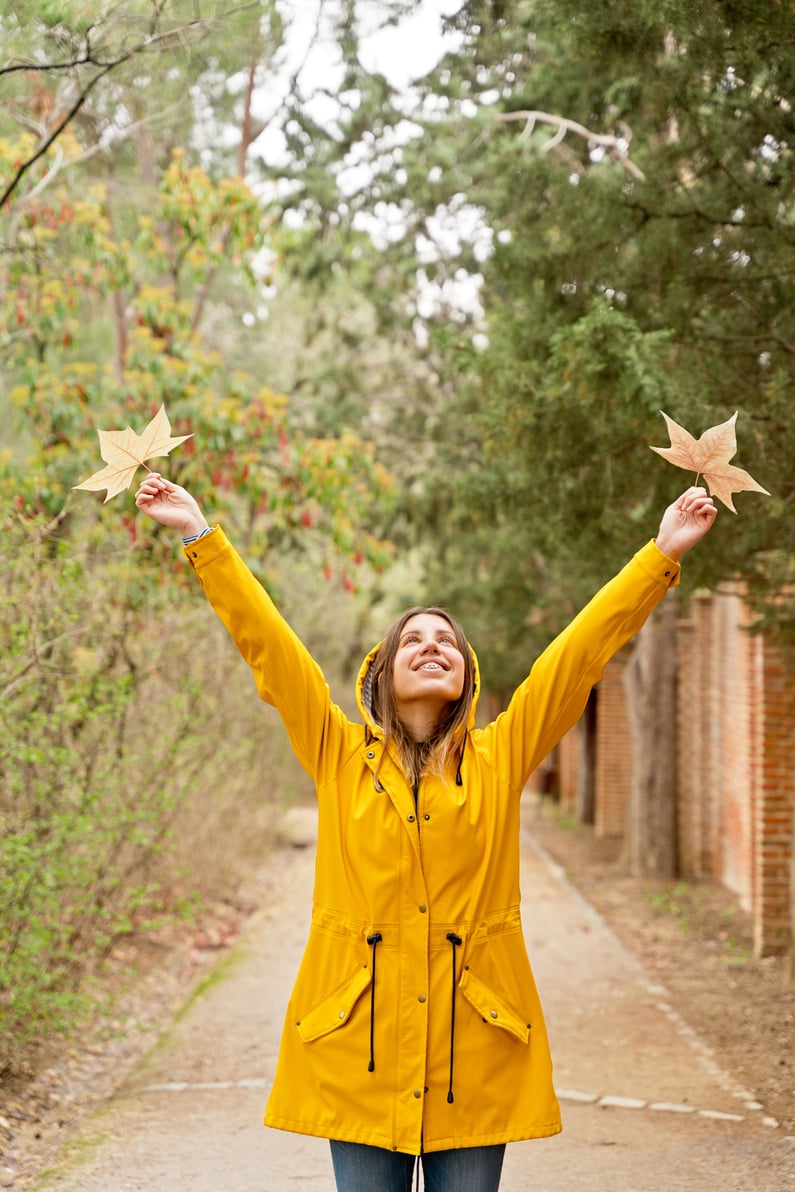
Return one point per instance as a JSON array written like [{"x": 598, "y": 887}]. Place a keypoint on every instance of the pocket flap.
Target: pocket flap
[
  {"x": 335, "y": 1009},
  {"x": 492, "y": 1008}
]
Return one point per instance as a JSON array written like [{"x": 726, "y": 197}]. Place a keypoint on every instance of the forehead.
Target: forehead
[{"x": 427, "y": 623}]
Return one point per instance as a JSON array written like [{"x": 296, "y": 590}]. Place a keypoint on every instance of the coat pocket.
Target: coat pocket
[
  {"x": 493, "y": 1008},
  {"x": 336, "y": 1008}
]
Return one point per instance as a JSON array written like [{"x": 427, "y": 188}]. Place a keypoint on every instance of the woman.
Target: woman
[{"x": 414, "y": 1026}]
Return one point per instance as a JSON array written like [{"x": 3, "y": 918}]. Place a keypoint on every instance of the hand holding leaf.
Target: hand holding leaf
[
  {"x": 170, "y": 504},
  {"x": 709, "y": 457},
  {"x": 124, "y": 452},
  {"x": 686, "y": 522}
]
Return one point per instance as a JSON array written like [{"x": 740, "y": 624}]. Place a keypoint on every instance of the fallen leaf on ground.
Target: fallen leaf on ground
[
  {"x": 124, "y": 452},
  {"x": 709, "y": 457}
]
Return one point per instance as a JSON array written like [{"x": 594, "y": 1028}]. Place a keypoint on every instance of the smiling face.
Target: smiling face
[{"x": 428, "y": 666}]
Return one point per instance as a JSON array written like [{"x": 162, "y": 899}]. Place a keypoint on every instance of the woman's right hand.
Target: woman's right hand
[{"x": 170, "y": 504}]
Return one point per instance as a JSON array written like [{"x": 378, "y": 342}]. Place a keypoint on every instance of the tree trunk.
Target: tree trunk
[
  {"x": 650, "y": 842},
  {"x": 586, "y": 771}
]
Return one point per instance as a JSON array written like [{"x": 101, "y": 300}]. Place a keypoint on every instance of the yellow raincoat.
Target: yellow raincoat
[{"x": 414, "y": 1020}]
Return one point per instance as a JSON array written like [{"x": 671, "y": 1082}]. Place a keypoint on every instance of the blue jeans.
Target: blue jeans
[{"x": 359, "y": 1168}]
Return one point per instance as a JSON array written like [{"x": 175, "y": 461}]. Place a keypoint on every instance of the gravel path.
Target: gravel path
[{"x": 646, "y": 1109}]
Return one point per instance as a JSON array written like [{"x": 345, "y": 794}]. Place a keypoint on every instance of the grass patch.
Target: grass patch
[{"x": 221, "y": 971}]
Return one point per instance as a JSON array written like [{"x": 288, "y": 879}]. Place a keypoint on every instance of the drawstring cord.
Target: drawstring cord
[
  {"x": 455, "y": 941},
  {"x": 458, "y": 779},
  {"x": 369, "y": 737},
  {"x": 373, "y": 940}
]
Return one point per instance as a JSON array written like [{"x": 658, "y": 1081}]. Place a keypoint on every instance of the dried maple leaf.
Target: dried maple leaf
[
  {"x": 124, "y": 452},
  {"x": 709, "y": 457}
]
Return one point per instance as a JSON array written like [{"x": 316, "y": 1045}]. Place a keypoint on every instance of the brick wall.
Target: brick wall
[
  {"x": 736, "y": 777},
  {"x": 773, "y": 805}
]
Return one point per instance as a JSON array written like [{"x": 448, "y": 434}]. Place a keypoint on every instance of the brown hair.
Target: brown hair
[{"x": 436, "y": 754}]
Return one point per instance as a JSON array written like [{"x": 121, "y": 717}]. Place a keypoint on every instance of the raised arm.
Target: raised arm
[
  {"x": 552, "y": 698},
  {"x": 285, "y": 673}
]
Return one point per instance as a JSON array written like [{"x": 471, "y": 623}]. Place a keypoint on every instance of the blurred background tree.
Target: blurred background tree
[{"x": 612, "y": 190}]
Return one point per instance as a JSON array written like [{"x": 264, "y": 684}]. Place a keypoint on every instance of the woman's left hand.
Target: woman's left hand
[{"x": 686, "y": 522}]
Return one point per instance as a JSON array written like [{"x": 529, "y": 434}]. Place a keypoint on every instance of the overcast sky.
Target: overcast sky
[{"x": 401, "y": 52}]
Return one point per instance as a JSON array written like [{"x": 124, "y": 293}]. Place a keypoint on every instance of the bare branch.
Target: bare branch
[
  {"x": 60, "y": 164},
  {"x": 616, "y": 146},
  {"x": 154, "y": 41},
  {"x": 45, "y": 145},
  {"x": 18, "y": 65}
]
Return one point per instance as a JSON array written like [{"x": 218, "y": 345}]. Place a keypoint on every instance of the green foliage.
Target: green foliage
[
  {"x": 695, "y": 255},
  {"x": 652, "y": 274},
  {"x": 130, "y": 278},
  {"x": 137, "y": 775},
  {"x": 270, "y": 482},
  {"x": 86, "y": 796}
]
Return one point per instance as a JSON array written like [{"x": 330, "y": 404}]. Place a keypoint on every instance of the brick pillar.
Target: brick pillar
[
  {"x": 773, "y": 804},
  {"x": 717, "y": 727},
  {"x": 698, "y": 729},
  {"x": 568, "y": 763},
  {"x": 736, "y": 717},
  {"x": 711, "y": 730},
  {"x": 690, "y": 750},
  {"x": 613, "y": 749}
]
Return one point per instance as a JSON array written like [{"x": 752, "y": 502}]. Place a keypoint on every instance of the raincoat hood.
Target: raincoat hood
[{"x": 364, "y": 690}]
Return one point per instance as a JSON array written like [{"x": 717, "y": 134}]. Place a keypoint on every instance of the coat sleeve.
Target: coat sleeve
[
  {"x": 286, "y": 675},
  {"x": 553, "y": 696}
]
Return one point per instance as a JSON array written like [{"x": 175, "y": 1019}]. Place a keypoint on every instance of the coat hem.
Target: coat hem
[
  {"x": 521, "y": 1134},
  {"x": 340, "y": 1135},
  {"x": 545, "y": 1130}
]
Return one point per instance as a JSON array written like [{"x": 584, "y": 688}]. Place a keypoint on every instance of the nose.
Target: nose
[{"x": 429, "y": 646}]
